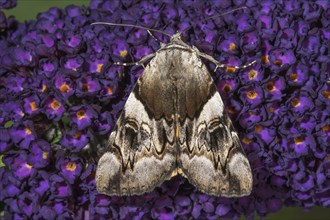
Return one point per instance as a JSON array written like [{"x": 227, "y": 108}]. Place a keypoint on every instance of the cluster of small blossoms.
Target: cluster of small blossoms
[{"x": 61, "y": 94}]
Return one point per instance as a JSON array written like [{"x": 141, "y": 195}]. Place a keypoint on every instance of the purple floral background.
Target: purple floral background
[{"x": 60, "y": 96}]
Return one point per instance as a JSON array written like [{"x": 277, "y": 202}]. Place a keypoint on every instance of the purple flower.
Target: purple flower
[
  {"x": 9, "y": 185},
  {"x": 229, "y": 43},
  {"x": 64, "y": 85},
  {"x": 40, "y": 183},
  {"x": 265, "y": 132},
  {"x": 297, "y": 75},
  {"x": 6, "y": 4},
  {"x": 40, "y": 154},
  {"x": 274, "y": 88},
  {"x": 59, "y": 187},
  {"x": 104, "y": 123},
  {"x": 281, "y": 58},
  {"x": 227, "y": 85},
  {"x": 141, "y": 51},
  {"x": 27, "y": 203},
  {"x": 250, "y": 42},
  {"x": 299, "y": 103},
  {"x": 31, "y": 105},
  {"x": 137, "y": 37},
  {"x": 23, "y": 133},
  {"x": 14, "y": 110},
  {"x": 251, "y": 95},
  {"x": 70, "y": 168},
  {"x": 108, "y": 89},
  {"x": 95, "y": 64},
  {"x": 324, "y": 93},
  {"x": 48, "y": 67},
  {"x": 19, "y": 165},
  {"x": 119, "y": 48},
  {"x": 13, "y": 83},
  {"x": 22, "y": 56},
  {"x": 252, "y": 117},
  {"x": 82, "y": 116},
  {"x": 267, "y": 27},
  {"x": 53, "y": 108},
  {"x": 300, "y": 145},
  {"x": 310, "y": 46},
  {"x": 87, "y": 86},
  {"x": 76, "y": 140},
  {"x": 252, "y": 74},
  {"x": 71, "y": 44},
  {"x": 286, "y": 39},
  {"x": 5, "y": 141}
]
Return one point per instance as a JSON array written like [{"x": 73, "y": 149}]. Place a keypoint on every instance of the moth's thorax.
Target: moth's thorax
[
  {"x": 177, "y": 43},
  {"x": 177, "y": 83}
]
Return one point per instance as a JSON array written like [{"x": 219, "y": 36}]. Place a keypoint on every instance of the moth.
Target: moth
[{"x": 174, "y": 122}]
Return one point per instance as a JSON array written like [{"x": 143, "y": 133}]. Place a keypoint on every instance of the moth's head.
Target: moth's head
[{"x": 176, "y": 38}]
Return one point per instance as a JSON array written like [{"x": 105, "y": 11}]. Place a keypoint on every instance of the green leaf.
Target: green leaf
[
  {"x": 58, "y": 135},
  {"x": 1, "y": 163},
  {"x": 8, "y": 124}
]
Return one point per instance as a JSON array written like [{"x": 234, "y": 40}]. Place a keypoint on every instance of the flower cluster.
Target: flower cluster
[{"x": 61, "y": 94}]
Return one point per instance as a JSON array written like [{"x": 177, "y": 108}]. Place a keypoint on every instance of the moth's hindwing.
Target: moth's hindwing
[{"x": 174, "y": 122}]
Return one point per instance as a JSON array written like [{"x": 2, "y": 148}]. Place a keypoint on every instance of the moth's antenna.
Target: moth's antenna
[
  {"x": 131, "y": 25},
  {"x": 214, "y": 16}
]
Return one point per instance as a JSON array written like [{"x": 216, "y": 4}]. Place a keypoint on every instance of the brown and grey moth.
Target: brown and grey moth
[{"x": 174, "y": 122}]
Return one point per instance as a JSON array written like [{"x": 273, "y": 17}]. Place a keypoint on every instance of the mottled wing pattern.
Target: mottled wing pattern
[
  {"x": 212, "y": 159},
  {"x": 211, "y": 155},
  {"x": 140, "y": 153}
]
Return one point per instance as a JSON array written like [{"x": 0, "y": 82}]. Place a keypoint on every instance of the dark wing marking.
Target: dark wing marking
[
  {"x": 212, "y": 157},
  {"x": 140, "y": 153}
]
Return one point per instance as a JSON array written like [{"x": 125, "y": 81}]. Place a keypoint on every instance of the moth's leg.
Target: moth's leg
[
  {"x": 140, "y": 62},
  {"x": 221, "y": 65}
]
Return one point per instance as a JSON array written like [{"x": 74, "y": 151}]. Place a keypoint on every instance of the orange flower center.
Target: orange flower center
[
  {"x": 264, "y": 59},
  {"x": 253, "y": 113},
  {"x": 295, "y": 102},
  {"x": 270, "y": 87},
  {"x": 85, "y": 87},
  {"x": 33, "y": 106},
  {"x": 65, "y": 88},
  {"x": 246, "y": 140},
  {"x": 77, "y": 135},
  {"x": 252, "y": 94},
  {"x": 99, "y": 67},
  {"x": 294, "y": 77},
  {"x": 81, "y": 114},
  {"x": 278, "y": 62},
  {"x": 45, "y": 155},
  {"x": 71, "y": 166},
  {"x": 55, "y": 105},
  {"x": 326, "y": 94},
  {"x": 232, "y": 46},
  {"x": 298, "y": 140},
  {"x": 110, "y": 90},
  {"x": 252, "y": 74},
  {"x": 325, "y": 128},
  {"x": 258, "y": 128},
  {"x": 28, "y": 130},
  {"x": 123, "y": 53},
  {"x": 226, "y": 88},
  {"x": 44, "y": 87}
]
